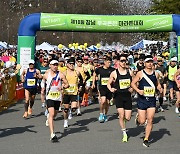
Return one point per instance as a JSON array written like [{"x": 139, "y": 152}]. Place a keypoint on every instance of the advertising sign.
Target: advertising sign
[{"x": 100, "y": 23}]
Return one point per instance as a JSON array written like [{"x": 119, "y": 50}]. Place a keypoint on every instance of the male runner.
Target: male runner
[
  {"x": 148, "y": 83},
  {"x": 70, "y": 94},
  {"x": 122, "y": 90},
  {"x": 105, "y": 95},
  {"x": 29, "y": 77},
  {"x": 55, "y": 81}
]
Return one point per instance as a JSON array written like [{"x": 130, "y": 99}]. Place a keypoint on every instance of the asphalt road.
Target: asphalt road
[{"x": 85, "y": 134}]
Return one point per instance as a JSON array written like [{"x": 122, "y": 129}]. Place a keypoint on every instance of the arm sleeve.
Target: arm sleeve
[
  {"x": 80, "y": 79},
  {"x": 87, "y": 76}
]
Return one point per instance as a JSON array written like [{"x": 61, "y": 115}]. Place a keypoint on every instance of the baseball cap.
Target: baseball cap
[
  {"x": 148, "y": 59},
  {"x": 31, "y": 61},
  {"x": 61, "y": 59},
  {"x": 53, "y": 62},
  {"x": 71, "y": 60},
  {"x": 85, "y": 58},
  {"x": 174, "y": 59}
]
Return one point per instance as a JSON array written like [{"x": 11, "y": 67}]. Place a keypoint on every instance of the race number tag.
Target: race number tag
[
  {"x": 71, "y": 88},
  {"x": 124, "y": 83},
  {"x": 31, "y": 82},
  {"x": 104, "y": 81},
  {"x": 149, "y": 91},
  {"x": 54, "y": 95}
]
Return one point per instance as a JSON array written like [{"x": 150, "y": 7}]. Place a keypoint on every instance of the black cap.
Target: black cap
[{"x": 71, "y": 60}]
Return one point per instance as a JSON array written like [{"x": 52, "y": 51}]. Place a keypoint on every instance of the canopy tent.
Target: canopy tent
[
  {"x": 45, "y": 46},
  {"x": 142, "y": 44},
  {"x": 3, "y": 45}
]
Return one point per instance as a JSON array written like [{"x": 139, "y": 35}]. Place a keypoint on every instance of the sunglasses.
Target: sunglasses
[
  {"x": 45, "y": 62},
  {"x": 123, "y": 61},
  {"x": 80, "y": 62},
  {"x": 159, "y": 60}
]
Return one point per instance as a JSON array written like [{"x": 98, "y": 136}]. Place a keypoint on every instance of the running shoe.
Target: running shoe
[
  {"x": 60, "y": 109},
  {"x": 101, "y": 118},
  {"x": 136, "y": 120},
  {"x": 46, "y": 112},
  {"x": 164, "y": 98},
  {"x": 105, "y": 118},
  {"x": 111, "y": 102},
  {"x": 146, "y": 143},
  {"x": 25, "y": 115},
  {"x": 29, "y": 111},
  {"x": 47, "y": 121},
  {"x": 53, "y": 138},
  {"x": 177, "y": 110},
  {"x": 125, "y": 138},
  {"x": 43, "y": 105},
  {"x": 78, "y": 112},
  {"x": 70, "y": 116},
  {"x": 65, "y": 123},
  {"x": 161, "y": 109}
]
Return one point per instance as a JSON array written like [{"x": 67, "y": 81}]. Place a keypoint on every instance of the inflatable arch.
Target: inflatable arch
[{"x": 90, "y": 23}]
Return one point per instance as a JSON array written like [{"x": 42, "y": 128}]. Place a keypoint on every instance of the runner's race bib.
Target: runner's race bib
[
  {"x": 124, "y": 83},
  {"x": 31, "y": 82},
  {"x": 149, "y": 91},
  {"x": 54, "y": 95},
  {"x": 104, "y": 81},
  {"x": 71, "y": 88}
]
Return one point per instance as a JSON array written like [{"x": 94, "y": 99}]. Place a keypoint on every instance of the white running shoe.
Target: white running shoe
[
  {"x": 47, "y": 122},
  {"x": 70, "y": 116},
  {"x": 60, "y": 109},
  {"x": 177, "y": 110},
  {"x": 78, "y": 112},
  {"x": 43, "y": 105},
  {"x": 46, "y": 112},
  {"x": 65, "y": 123},
  {"x": 164, "y": 98}
]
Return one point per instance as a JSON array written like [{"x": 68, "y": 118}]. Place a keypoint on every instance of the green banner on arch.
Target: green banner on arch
[{"x": 111, "y": 23}]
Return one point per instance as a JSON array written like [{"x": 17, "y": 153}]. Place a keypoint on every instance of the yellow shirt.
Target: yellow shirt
[
  {"x": 62, "y": 69},
  {"x": 73, "y": 84}
]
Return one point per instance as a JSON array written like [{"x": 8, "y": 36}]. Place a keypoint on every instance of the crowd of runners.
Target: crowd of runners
[{"x": 69, "y": 80}]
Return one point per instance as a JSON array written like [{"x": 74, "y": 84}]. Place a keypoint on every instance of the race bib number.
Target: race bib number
[
  {"x": 149, "y": 91},
  {"x": 31, "y": 82},
  {"x": 54, "y": 95},
  {"x": 124, "y": 84},
  {"x": 71, "y": 89},
  {"x": 104, "y": 81}
]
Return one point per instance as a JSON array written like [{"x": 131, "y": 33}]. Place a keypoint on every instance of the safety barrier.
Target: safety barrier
[{"x": 9, "y": 92}]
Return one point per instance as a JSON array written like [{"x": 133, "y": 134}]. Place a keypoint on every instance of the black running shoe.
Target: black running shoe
[
  {"x": 146, "y": 143},
  {"x": 54, "y": 138}
]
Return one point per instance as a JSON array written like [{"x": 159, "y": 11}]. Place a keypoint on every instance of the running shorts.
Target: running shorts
[
  {"x": 52, "y": 103},
  {"x": 144, "y": 105},
  {"x": 32, "y": 91},
  {"x": 105, "y": 92},
  {"x": 69, "y": 98},
  {"x": 123, "y": 100}
]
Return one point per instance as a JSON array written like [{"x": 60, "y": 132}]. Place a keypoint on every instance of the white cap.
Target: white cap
[
  {"x": 174, "y": 59},
  {"x": 31, "y": 61},
  {"x": 8, "y": 64},
  {"x": 53, "y": 62},
  {"x": 148, "y": 59}
]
